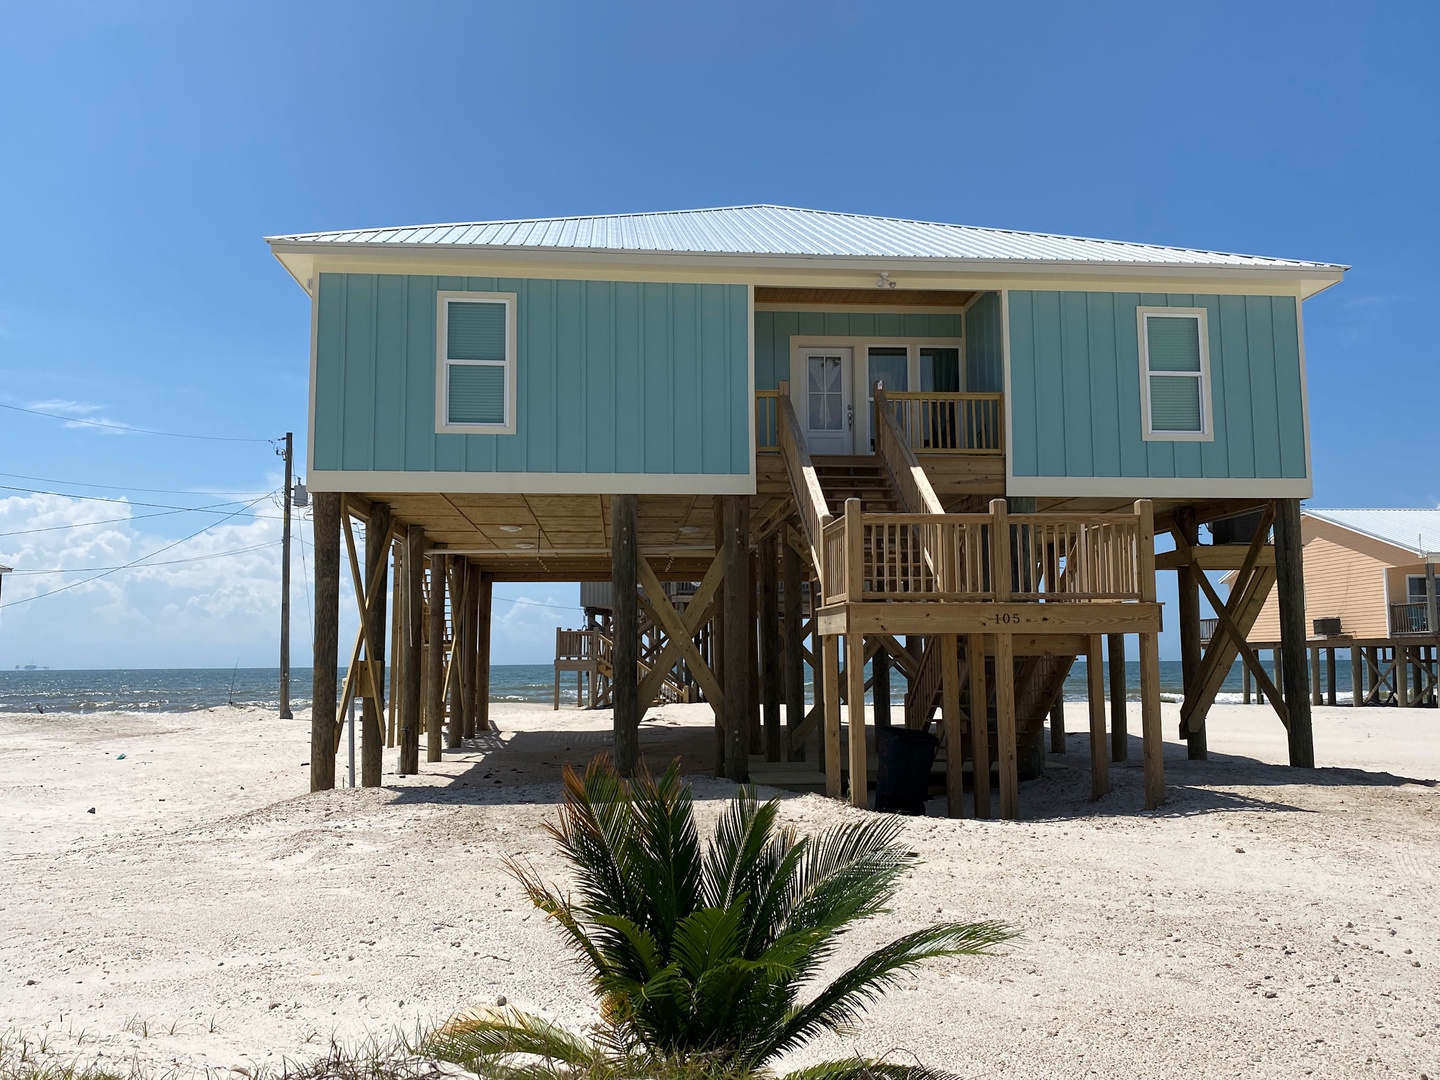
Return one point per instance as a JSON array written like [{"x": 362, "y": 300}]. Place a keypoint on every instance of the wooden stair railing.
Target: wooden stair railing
[
  {"x": 804, "y": 481},
  {"x": 893, "y": 447}
]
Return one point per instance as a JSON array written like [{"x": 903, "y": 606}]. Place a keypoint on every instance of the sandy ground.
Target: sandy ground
[{"x": 1265, "y": 923}]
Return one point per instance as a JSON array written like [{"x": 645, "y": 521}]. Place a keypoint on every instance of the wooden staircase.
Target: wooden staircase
[{"x": 857, "y": 477}]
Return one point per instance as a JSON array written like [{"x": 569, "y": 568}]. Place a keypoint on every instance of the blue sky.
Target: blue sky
[{"x": 147, "y": 148}]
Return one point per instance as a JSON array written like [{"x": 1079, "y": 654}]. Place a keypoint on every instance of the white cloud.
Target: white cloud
[
  {"x": 204, "y": 603},
  {"x": 88, "y": 414}
]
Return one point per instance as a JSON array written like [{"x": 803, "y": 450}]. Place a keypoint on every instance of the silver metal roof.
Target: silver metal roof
[
  {"x": 1417, "y": 531},
  {"x": 781, "y": 231}
]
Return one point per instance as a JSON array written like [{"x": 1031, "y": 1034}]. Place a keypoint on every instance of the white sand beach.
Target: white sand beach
[{"x": 210, "y": 913}]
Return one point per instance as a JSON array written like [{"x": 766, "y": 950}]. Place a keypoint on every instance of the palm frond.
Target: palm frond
[
  {"x": 733, "y": 860},
  {"x": 501, "y": 1033},
  {"x": 842, "y": 1001},
  {"x": 668, "y": 864},
  {"x": 866, "y": 1069}
]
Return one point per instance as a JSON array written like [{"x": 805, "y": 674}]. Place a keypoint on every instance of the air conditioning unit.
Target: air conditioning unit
[{"x": 1326, "y": 627}]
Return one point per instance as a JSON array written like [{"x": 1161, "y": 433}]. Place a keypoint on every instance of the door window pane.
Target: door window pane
[{"x": 826, "y": 394}]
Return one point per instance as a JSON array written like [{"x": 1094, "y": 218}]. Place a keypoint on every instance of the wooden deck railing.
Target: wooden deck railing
[
  {"x": 767, "y": 421},
  {"x": 941, "y": 423},
  {"x": 995, "y": 556},
  {"x": 1208, "y": 629},
  {"x": 1409, "y": 619},
  {"x": 804, "y": 481}
]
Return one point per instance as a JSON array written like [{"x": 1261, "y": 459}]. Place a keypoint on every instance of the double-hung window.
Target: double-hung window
[
  {"x": 1175, "y": 373},
  {"x": 475, "y": 345}
]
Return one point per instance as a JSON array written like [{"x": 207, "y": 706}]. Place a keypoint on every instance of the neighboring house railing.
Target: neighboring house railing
[
  {"x": 939, "y": 423},
  {"x": 1409, "y": 619},
  {"x": 1208, "y": 629},
  {"x": 577, "y": 644}
]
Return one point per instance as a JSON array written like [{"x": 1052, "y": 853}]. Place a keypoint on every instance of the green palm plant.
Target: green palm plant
[{"x": 699, "y": 955}]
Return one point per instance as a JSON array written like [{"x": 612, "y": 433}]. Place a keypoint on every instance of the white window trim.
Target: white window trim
[
  {"x": 1207, "y": 425},
  {"x": 443, "y": 300}
]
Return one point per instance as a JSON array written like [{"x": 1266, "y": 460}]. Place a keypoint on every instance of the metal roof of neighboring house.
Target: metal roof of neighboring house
[
  {"x": 783, "y": 231},
  {"x": 1417, "y": 531}
]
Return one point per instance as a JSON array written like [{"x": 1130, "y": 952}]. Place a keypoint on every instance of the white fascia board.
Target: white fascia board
[
  {"x": 529, "y": 483},
  {"x": 1157, "y": 487},
  {"x": 837, "y": 271}
]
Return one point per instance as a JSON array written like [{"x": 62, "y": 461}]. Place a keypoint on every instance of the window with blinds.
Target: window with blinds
[
  {"x": 477, "y": 363},
  {"x": 1175, "y": 373}
]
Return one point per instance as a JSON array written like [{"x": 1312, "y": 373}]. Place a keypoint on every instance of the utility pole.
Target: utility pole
[{"x": 288, "y": 454}]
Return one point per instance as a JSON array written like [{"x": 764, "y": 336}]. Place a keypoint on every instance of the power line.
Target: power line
[
  {"x": 166, "y": 562},
  {"x": 212, "y": 508},
  {"x": 136, "y": 562},
  {"x": 131, "y": 430},
  {"x": 124, "y": 487}
]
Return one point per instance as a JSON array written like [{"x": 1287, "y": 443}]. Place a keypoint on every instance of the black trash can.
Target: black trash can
[{"x": 904, "y": 758}]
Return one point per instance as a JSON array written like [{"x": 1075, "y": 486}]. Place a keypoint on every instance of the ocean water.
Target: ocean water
[{"x": 184, "y": 689}]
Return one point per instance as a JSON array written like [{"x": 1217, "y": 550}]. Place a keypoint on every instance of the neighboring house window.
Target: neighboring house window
[
  {"x": 1175, "y": 373},
  {"x": 476, "y": 363},
  {"x": 1415, "y": 586}
]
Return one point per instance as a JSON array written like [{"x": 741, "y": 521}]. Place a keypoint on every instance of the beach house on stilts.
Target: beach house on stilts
[{"x": 964, "y": 439}]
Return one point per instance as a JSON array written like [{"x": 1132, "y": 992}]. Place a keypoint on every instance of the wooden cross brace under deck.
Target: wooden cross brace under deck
[{"x": 681, "y": 629}]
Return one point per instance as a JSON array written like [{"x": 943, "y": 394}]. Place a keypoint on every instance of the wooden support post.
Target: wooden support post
[
  {"x": 794, "y": 647},
  {"x": 880, "y": 687},
  {"x": 1277, "y": 661},
  {"x": 1150, "y": 732},
  {"x": 855, "y": 711},
  {"x": 1289, "y": 565},
  {"x": 717, "y": 636},
  {"x": 1099, "y": 761},
  {"x": 435, "y": 661},
  {"x": 1187, "y": 532},
  {"x": 979, "y": 723},
  {"x": 1245, "y": 683},
  {"x": 950, "y": 717},
  {"x": 738, "y": 600},
  {"x": 1005, "y": 733},
  {"x": 1057, "y": 725},
  {"x": 1315, "y": 696},
  {"x": 397, "y": 612},
  {"x": 624, "y": 586},
  {"x": 326, "y": 662},
  {"x": 820, "y": 685},
  {"x": 1357, "y": 676},
  {"x": 1119, "y": 694},
  {"x": 412, "y": 643},
  {"x": 1402, "y": 676},
  {"x": 1330, "y": 679},
  {"x": 455, "y": 729},
  {"x": 470, "y": 654},
  {"x": 828, "y": 678},
  {"x": 770, "y": 659},
  {"x": 484, "y": 605},
  {"x": 752, "y": 635},
  {"x": 372, "y": 730}
]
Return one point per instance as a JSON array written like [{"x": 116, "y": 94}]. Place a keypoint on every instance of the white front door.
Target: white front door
[{"x": 827, "y": 401}]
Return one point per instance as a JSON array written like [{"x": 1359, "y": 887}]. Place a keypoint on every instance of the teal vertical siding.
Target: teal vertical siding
[
  {"x": 774, "y": 329},
  {"x": 985, "y": 346},
  {"x": 1075, "y": 388},
  {"x": 612, "y": 377}
]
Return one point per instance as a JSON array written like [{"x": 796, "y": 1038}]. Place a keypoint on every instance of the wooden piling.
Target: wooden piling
[
  {"x": 372, "y": 731},
  {"x": 738, "y": 599},
  {"x": 469, "y": 654},
  {"x": 1188, "y": 533},
  {"x": 1316, "y": 698},
  {"x": 484, "y": 607},
  {"x": 326, "y": 662},
  {"x": 952, "y": 721},
  {"x": 1290, "y": 580},
  {"x": 435, "y": 661},
  {"x": 979, "y": 723},
  {"x": 1099, "y": 761},
  {"x": 1150, "y": 731},
  {"x": 770, "y": 659},
  {"x": 1330, "y": 679},
  {"x": 1005, "y": 732},
  {"x": 455, "y": 729},
  {"x": 794, "y": 646},
  {"x": 1057, "y": 724},
  {"x": 412, "y": 648},
  {"x": 1357, "y": 676},
  {"x": 828, "y": 679},
  {"x": 855, "y": 710},
  {"x": 624, "y": 585},
  {"x": 1119, "y": 694}
]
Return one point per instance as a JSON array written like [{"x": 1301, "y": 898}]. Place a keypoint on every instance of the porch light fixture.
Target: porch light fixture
[
  {"x": 510, "y": 528},
  {"x": 689, "y": 528},
  {"x": 883, "y": 281},
  {"x": 526, "y": 544}
]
